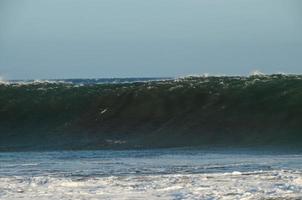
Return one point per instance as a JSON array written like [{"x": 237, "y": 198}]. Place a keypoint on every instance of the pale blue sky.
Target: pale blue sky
[{"x": 150, "y": 38}]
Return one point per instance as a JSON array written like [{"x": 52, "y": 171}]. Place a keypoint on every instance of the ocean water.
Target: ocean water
[
  {"x": 44, "y": 125},
  {"x": 88, "y": 114},
  {"x": 221, "y": 173}
]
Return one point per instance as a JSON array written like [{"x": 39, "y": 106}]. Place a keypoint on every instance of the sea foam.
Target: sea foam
[{"x": 249, "y": 185}]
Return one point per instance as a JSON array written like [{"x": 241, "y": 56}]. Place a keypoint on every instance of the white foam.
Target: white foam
[
  {"x": 236, "y": 185},
  {"x": 256, "y": 73}
]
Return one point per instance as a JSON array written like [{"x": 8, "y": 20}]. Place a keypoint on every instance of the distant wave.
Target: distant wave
[{"x": 146, "y": 113}]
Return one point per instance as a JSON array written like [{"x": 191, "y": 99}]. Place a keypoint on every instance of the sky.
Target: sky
[{"x": 51, "y": 39}]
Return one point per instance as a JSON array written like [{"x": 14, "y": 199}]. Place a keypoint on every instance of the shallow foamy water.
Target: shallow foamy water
[{"x": 152, "y": 174}]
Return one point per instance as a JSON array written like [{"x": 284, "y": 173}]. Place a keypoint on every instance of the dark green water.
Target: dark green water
[{"x": 194, "y": 111}]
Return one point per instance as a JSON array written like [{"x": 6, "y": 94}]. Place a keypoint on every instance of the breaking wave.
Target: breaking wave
[{"x": 190, "y": 111}]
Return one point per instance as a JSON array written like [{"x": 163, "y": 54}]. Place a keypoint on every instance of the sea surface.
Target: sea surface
[
  {"x": 179, "y": 173},
  {"x": 68, "y": 139}
]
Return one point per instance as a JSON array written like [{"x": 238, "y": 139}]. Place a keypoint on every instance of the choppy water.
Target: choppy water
[{"x": 152, "y": 174}]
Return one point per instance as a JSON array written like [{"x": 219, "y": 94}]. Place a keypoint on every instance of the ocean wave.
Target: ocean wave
[{"x": 188, "y": 111}]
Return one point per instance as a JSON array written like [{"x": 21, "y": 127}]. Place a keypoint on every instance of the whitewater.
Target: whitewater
[{"x": 152, "y": 174}]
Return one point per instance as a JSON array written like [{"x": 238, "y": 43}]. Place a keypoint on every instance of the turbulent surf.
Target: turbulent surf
[{"x": 144, "y": 113}]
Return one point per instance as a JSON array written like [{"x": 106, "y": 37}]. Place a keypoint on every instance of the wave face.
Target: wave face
[{"x": 255, "y": 110}]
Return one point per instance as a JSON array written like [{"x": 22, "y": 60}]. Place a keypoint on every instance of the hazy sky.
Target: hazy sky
[{"x": 133, "y": 38}]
